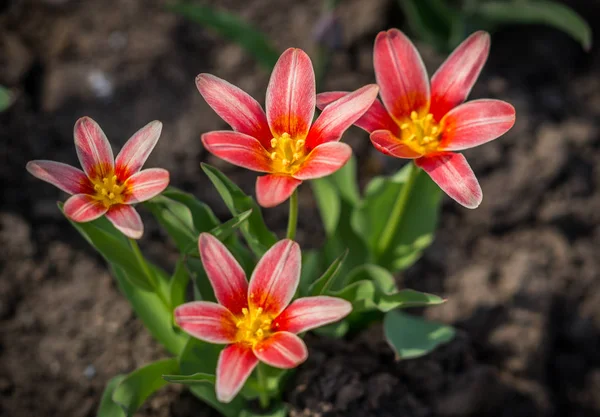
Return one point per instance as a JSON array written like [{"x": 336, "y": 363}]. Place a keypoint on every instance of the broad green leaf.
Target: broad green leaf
[
  {"x": 202, "y": 216},
  {"x": 346, "y": 182},
  {"x": 177, "y": 220},
  {"x": 325, "y": 282},
  {"x": 328, "y": 202},
  {"x": 108, "y": 408},
  {"x": 255, "y": 231},
  {"x": 178, "y": 283},
  {"x": 194, "y": 379},
  {"x": 204, "y": 290},
  {"x": 311, "y": 268},
  {"x": 412, "y": 337},
  {"x": 233, "y": 28},
  {"x": 549, "y": 13},
  {"x": 4, "y": 98},
  {"x": 223, "y": 231},
  {"x": 136, "y": 387},
  {"x": 417, "y": 224}
]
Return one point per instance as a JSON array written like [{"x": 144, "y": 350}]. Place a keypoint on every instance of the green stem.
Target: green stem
[
  {"x": 263, "y": 396},
  {"x": 151, "y": 277},
  {"x": 390, "y": 229},
  {"x": 293, "y": 219}
]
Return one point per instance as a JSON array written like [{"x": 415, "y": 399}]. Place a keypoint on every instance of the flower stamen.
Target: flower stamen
[
  {"x": 109, "y": 190},
  {"x": 287, "y": 153},
  {"x": 421, "y": 133}
]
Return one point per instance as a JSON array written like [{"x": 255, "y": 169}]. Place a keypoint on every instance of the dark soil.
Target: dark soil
[{"x": 520, "y": 272}]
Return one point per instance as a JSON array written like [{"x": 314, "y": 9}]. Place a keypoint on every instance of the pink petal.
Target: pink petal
[
  {"x": 452, "y": 82},
  {"x": 93, "y": 149},
  {"x": 388, "y": 144},
  {"x": 136, "y": 150},
  {"x": 291, "y": 94},
  {"x": 340, "y": 115},
  {"x": 272, "y": 190},
  {"x": 275, "y": 278},
  {"x": 83, "y": 208},
  {"x": 236, "y": 363},
  {"x": 235, "y": 106},
  {"x": 311, "y": 312},
  {"x": 474, "y": 123},
  {"x": 127, "y": 220},
  {"x": 452, "y": 173},
  {"x": 207, "y": 321},
  {"x": 238, "y": 149},
  {"x": 69, "y": 179},
  {"x": 376, "y": 118},
  {"x": 146, "y": 184},
  {"x": 325, "y": 159},
  {"x": 224, "y": 273},
  {"x": 401, "y": 75},
  {"x": 282, "y": 350}
]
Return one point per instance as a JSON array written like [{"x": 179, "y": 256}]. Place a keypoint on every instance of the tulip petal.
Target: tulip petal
[
  {"x": 475, "y": 123},
  {"x": 224, "y": 273},
  {"x": 127, "y": 220},
  {"x": 236, "y": 363},
  {"x": 388, "y": 144},
  {"x": 93, "y": 149},
  {"x": 235, "y": 106},
  {"x": 400, "y": 74},
  {"x": 375, "y": 118},
  {"x": 282, "y": 350},
  {"x": 323, "y": 160},
  {"x": 291, "y": 94},
  {"x": 136, "y": 150},
  {"x": 207, "y": 321},
  {"x": 311, "y": 312},
  {"x": 65, "y": 177},
  {"x": 452, "y": 173},
  {"x": 146, "y": 184},
  {"x": 340, "y": 115},
  {"x": 83, "y": 208},
  {"x": 238, "y": 149},
  {"x": 272, "y": 190},
  {"x": 452, "y": 82}
]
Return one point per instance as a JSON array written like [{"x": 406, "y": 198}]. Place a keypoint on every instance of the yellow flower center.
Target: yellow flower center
[
  {"x": 421, "y": 133},
  {"x": 108, "y": 190},
  {"x": 287, "y": 153},
  {"x": 253, "y": 326}
]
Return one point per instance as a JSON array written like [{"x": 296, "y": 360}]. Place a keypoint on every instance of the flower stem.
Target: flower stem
[
  {"x": 263, "y": 395},
  {"x": 144, "y": 266},
  {"x": 390, "y": 229},
  {"x": 293, "y": 219}
]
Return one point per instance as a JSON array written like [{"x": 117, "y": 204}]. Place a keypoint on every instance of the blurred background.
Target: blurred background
[{"x": 520, "y": 272}]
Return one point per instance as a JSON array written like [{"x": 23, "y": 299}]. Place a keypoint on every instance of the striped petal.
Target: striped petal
[
  {"x": 136, "y": 150},
  {"x": 452, "y": 82},
  {"x": 83, "y": 208},
  {"x": 146, "y": 184},
  {"x": 311, "y": 312},
  {"x": 127, "y": 220},
  {"x": 224, "y": 273},
  {"x": 275, "y": 278},
  {"x": 93, "y": 149},
  {"x": 291, "y": 95},
  {"x": 400, "y": 74},
  {"x": 340, "y": 115},
  {"x": 236, "y": 363},
  {"x": 282, "y": 350},
  {"x": 375, "y": 118},
  {"x": 474, "y": 123},
  {"x": 452, "y": 173},
  {"x": 207, "y": 321},
  {"x": 238, "y": 149},
  {"x": 69, "y": 179},
  {"x": 272, "y": 190},
  {"x": 388, "y": 144},
  {"x": 323, "y": 160},
  {"x": 235, "y": 106}
]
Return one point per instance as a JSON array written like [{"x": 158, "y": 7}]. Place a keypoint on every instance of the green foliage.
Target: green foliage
[
  {"x": 326, "y": 281},
  {"x": 5, "y": 98},
  {"x": 108, "y": 408}
]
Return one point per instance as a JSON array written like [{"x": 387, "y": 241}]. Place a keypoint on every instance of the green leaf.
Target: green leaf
[
  {"x": 5, "y": 98},
  {"x": 416, "y": 228},
  {"x": 136, "y": 387},
  {"x": 202, "y": 216},
  {"x": 232, "y": 28},
  {"x": 311, "y": 267},
  {"x": 178, "y": 283},
  {"x": 255, "y": 231},
  {"x": 194, "y": 379},
  {"x": 412, "y": 337},
  {"x": 431, "y": 20},
  {"x": 223, "y": 231},
  {"x": 346, "y": 183},
  {"x": 539, "y": 12},
  {"x": 328, "y": 202},
  {"x": 108, "y": 408},
  {"x": 325, "y": 282}
]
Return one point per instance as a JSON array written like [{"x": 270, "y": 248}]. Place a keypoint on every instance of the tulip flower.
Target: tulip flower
[
  {"x": 429, "y": 123},
  {"x": 282, "y": 142},
  {"x": 254, "y": 319},
  {"x": 106, "y": 186}
]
